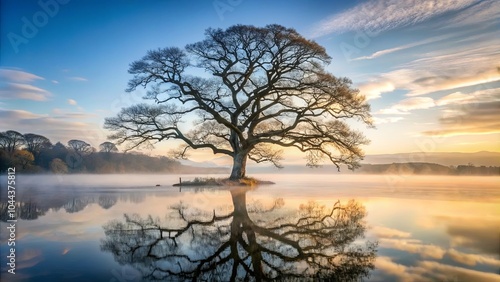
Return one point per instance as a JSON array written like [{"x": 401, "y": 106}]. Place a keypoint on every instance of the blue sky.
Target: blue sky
[{"x": 429, "y": 68}]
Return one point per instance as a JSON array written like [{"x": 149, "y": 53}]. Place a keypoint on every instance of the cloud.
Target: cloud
[
  {"x": 481, "y": 118},
  {"x": 403, "y": 47},
  {"x": 480, "y": 13},
  {"x": 62, "y": 114},
  {"x": 373, "y": 90},
  {"x": 78, "y": 78},
  {"x": 481, "y": 96},
  {"x": 55, "y": 81},
  {"x": 469, "y": 63},
  {"x": 409, "y": 104},
  {"x": 72, "y": 102},
  {"x": 378, "y": 120},
  {"x": 17, "y": 86},
  {"x": 23, "y": 91},
  {"x": 18, "y": 76},
  {"x": 381, "y": 15},
  {"x": 60, "y": 126}
]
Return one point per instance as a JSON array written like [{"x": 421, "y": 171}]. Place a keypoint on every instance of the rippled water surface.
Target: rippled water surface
[{"x": 346, "y": 227}]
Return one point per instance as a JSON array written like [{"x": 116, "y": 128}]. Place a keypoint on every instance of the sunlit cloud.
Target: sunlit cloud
[
  {"x": 470, "y": 64},
  {"x": 482, "y": 118},
  {"x": 409, "y": 104},
  {"x": 381, "y": 15},
  {"x": 373, "y": 90},
  {"x": 24, "y": 92},
  {"x": 72, "y": 102}
]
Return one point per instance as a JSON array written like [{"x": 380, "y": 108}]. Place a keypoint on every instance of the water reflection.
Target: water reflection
[
  {"x": 251, "y": 242},
  {"x": 36, "y": 205}
]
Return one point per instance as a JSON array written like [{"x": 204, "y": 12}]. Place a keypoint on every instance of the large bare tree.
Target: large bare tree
[{"x": 262, "y": 89}]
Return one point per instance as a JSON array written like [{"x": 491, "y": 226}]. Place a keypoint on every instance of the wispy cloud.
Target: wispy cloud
[
  {"x": 78, "y": 78},
  {"x": 447, "y": 102},
  {"x": 72, "y": 102},
  {"x": 23, "y": 91},
  {"x": 18, "y": 75},
  {"x": 403, "y": 47},
  {"x": 380, "y": 15},
  {"x": 60, "y": 126},
  {"x": 17, "y": 85},
  {"x": 480, "y": 13},
  {"x": 471, "y": 63}
]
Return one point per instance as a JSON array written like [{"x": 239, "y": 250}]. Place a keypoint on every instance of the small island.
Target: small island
[{"x": 211, "y": 181}]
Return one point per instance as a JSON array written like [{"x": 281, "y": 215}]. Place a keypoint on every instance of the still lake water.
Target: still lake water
[{"x": 346, "y": 227}]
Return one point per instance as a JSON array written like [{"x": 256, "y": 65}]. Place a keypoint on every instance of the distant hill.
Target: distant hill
[
  {"x": 406, "y": 168},
  {"x": 447, "y": 159},
  {"x": 394, "y": 168}
]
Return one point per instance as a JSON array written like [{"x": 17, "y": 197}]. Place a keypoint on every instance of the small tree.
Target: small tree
[
  {"x": 36, "y": 143},
  {"x": 11, "y": 141},
  {"x": 268, "y": 89},
  {"x": 58, "y": 166},
  {"x": 80, "y": 147},
  {"x": 108, "y": 147},
  {"x": 23, "y": 158}
]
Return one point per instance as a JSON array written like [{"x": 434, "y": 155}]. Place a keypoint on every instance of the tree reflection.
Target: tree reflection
[{"x": 313, "y": 243}]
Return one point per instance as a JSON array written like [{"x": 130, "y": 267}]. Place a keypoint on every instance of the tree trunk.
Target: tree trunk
[{"x": 239, "y": 166}]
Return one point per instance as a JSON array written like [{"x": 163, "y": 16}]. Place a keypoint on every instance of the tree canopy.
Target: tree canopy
[{"x": 263, "y": 89}]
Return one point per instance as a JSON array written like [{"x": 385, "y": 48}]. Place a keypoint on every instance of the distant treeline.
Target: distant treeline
[
  {"x": 34, "y": 153},
  {"x": 428, "y": 168}
]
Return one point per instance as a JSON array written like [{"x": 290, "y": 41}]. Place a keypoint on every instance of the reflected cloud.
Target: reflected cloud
[
  {"x": 482, "y": 236},
  {"x": 472, "y": 259},
  {"x": 414, "y": 246},
  {"x": 386, "y": 232},
  {"x": 432, "y": 271}
]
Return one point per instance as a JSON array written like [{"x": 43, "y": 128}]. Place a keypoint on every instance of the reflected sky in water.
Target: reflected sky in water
[{"x": 427, "y": 228}]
